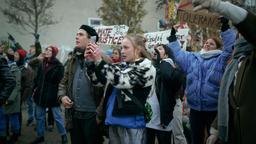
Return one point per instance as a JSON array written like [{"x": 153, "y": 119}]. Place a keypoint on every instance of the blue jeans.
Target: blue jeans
[
  {"x": 31, "y": 107},
  {"x": 40, "y": 119},
  {"x": 13, "y": 120},
  {"x": 2, "y": 122}
]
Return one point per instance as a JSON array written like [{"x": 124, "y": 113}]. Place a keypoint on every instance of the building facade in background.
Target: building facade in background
[{"x": 72, "y": 14}]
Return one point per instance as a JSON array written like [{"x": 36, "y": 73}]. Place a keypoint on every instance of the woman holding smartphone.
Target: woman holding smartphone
[{"x": 133, "y": 77}]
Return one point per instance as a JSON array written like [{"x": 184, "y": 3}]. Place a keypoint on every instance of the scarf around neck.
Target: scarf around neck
[
  {"x": 209, "y": 54},
  {"x": 242, "y": 49}
]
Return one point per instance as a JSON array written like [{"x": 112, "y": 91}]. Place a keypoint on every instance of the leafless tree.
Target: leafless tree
[{"x": 31, "y": 15}]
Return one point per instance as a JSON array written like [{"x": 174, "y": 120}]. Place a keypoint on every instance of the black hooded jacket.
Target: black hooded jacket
[{"x": 169, "y": 82}]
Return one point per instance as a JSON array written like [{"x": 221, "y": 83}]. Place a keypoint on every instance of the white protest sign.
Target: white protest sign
[
  {"x": 111, "y": 35},
  {"x": 155, "y": 38},
  {"x": 183, "y": 36}
]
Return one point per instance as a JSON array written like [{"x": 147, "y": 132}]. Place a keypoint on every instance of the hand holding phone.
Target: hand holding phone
[{"x": 88, "y": 53}]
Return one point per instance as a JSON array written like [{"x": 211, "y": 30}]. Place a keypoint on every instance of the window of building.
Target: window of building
[{"x": 94, "y": 22}]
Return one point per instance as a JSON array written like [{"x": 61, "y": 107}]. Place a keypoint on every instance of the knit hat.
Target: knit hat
[
  {"x": 55, "y": 50},
  {"x": 22, "y": 53},
  {"x": 90, "y": 31}
]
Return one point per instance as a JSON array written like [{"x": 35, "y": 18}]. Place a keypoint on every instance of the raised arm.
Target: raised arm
[
  {"x": 37, "y": 45},
  {"x": 243, "y": 20},
  {"x": 15, "y": 43}
]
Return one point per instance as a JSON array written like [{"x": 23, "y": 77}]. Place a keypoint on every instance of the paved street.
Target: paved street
[{"x": 28, "y": 134}]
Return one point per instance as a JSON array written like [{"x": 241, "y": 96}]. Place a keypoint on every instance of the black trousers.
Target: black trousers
[
  {"x": 200, "y": 122},
  {"x": 84, "y": 131},
  {"x": 163, "y": 137}
]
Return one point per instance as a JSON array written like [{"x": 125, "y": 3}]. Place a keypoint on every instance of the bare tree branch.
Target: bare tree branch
[{"x": 31, "y": 15}]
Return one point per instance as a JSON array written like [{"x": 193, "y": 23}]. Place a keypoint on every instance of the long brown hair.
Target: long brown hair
[{"x": 217, "y": 42}]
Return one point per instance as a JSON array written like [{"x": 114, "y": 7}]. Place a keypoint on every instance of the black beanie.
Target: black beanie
[{"x": 91, "y": 31}]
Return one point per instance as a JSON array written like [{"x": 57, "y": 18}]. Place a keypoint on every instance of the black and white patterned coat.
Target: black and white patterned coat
[
  {"x": 125, "y": 75},
  {"x": 137, "y": 77}
]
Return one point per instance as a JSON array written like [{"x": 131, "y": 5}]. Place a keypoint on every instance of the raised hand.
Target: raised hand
[
  {"x": 172, "y": 36},
  {"x": 93, "y": 52},
  {"x": 234, "y": 13},
  {"x": 158, "y": 57},
  {"x": 225, "y": 24},
  {"x": 36, "y": 36},
  {"x": 10, "y": 37}
]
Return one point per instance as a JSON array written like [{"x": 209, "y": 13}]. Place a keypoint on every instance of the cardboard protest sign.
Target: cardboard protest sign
[
  {"x": 111, "y": 35},
  {"x": 201, "y": 18}
]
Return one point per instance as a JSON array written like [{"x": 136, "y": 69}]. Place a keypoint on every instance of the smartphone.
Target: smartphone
[{"x": 93, "y": 39}]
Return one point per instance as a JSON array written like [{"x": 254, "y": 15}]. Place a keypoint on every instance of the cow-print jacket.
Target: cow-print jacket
[
  {"x": 125, "y": 75},
  {"x": 137, "y": 77}
]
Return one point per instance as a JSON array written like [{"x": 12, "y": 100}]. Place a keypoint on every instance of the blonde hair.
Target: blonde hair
[{"x": 139, "y": 43}]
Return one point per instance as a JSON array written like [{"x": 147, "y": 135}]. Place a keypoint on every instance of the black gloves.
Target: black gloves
[
  {"x": 10, "y": 37},
  {"x": 225, "y": 25},
  {"x": 172, "y": 37},
  {"x": 36, "y": 36}
]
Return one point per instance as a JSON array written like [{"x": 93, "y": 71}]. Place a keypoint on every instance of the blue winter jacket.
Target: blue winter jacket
[{"x": 204, "y": 74}]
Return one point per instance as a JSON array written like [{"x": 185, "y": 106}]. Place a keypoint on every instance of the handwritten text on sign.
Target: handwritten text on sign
[
  {"x": 155, "y": 38},
  {"x": 199, "y": 18},
  {"x": 111, "y": 35}
]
